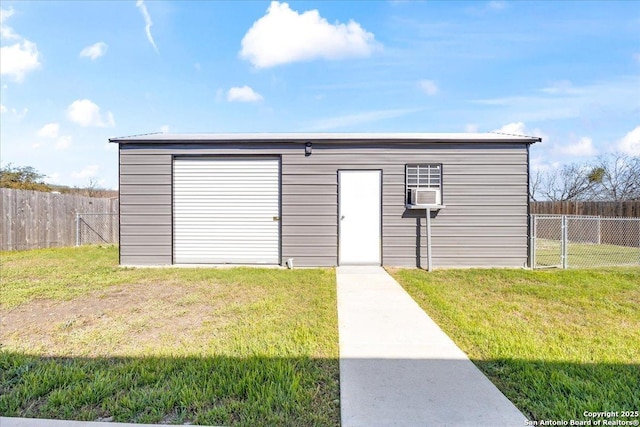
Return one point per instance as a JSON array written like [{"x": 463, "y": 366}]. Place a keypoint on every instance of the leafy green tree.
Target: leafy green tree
[{"x": 22, "y": 178}]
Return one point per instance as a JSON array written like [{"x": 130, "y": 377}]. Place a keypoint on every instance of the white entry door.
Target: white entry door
[{"x": 359, "y": 216}]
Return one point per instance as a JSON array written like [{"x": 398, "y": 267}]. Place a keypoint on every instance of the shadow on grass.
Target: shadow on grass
[
  {"x": 254, "y": 391},
  {"x": 264, "y": 391},
  {"x": 545, "y": 390}
]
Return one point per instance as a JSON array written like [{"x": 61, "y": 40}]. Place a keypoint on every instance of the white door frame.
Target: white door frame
[{"x": 341, "y": 245}]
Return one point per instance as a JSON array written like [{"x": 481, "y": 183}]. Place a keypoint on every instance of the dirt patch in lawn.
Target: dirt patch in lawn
[{"x": 124, "y": 320}]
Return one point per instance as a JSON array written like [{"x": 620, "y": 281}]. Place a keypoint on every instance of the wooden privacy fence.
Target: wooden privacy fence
[
  {"x": 34, "y": 219},
  {"x": 625, "y": 209}
]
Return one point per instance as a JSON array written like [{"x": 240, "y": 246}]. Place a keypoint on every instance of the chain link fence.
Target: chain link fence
[
  {"x": 572, "y": 241},
  {"x": 97, "y": 228}
]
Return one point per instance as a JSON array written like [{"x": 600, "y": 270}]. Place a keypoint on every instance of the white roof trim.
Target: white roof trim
[{"x": 303, "y": 137}]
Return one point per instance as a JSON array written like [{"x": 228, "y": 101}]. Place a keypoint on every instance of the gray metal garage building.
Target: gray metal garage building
[{"x": 324, "y": 199}]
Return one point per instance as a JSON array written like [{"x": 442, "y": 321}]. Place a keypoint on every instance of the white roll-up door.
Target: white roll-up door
[{"x": 226, "y": 210}]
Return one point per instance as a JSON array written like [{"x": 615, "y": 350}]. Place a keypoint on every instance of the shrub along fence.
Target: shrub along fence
[{"x": 33, "y": 219}]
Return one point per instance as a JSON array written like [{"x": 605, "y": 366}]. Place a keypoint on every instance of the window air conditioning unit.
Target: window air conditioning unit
[{"x": 425, "y": 197}]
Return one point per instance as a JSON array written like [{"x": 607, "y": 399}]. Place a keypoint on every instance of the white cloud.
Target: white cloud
[
  {"x": 18, "y": 114},
  {"x": 18, "y": 59},
  {"x": 497, "y": 5},
  {"x": 630, "y": 143},
  {"x": 283, "y": 36},
  {"x": 471, "y": 127},
  {"x": 519, "y": 128},
  {"x": 50, "y": 130},
  {"x": 164, "y": 129},
  {"x": 109, "y": 119},
  {"x": 87, "y": 172},
  {"x": 63, "y": 142},
  {"x": 581, "y": 148},
  {"x": 86, "y": 113},
  {"x": 147, "y": 21},
  {"x": 585, "y": 102},
  {"x": 516, "y": 128},
  {"x": 360, "y": 118},
  {"x": 6, "y": 32},
  {"x": 542, "y": 164},
  {"x": 243, "y": 94},
  {"x": 561, "y": 87},
  {"x": 428, "y": 86},
  {"x": 94, "y": 51}
]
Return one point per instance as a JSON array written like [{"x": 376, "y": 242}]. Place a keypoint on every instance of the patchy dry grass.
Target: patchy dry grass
[
  {"x": 557, "y": 343},
  {"x": 84, "y": 339}
]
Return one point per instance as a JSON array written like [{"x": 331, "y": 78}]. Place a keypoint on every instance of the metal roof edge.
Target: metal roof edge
[
  {"x": 117, "y": 138},
  {"x": 533, "y": 138},
  {"x": 160, "y": 138}
]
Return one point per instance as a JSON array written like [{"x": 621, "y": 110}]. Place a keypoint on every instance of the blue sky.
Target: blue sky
[{"x": 76, "y": 73}]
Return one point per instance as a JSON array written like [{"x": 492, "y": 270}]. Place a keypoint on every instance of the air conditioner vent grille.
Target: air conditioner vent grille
[{"x": 425, "y": 197}]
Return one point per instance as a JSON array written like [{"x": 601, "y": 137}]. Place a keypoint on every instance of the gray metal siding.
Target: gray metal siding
[
  {"x": 145, "y": 196},
  {"x": 484, "y": 189}
]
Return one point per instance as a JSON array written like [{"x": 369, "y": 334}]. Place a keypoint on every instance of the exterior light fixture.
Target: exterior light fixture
[{"x": 307, "y": 149}]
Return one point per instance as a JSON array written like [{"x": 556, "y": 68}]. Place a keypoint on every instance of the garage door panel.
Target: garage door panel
[{"x": 226, "y": 210}]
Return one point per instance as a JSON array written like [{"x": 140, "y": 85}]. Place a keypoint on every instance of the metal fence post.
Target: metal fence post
[
  {"x": 532, "y": 242},
  {"x": 564, "y": 243},
  {"x": 77, "y": 229}
]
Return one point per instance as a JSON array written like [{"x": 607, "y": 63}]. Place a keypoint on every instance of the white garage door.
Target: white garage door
[{"x": 226, "y": 210}]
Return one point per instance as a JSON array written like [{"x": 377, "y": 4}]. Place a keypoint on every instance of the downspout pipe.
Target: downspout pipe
[{"x": 428, "y": 225}]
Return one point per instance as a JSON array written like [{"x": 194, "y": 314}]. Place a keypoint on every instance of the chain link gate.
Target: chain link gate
[
  {"x": 97, "y": 228},
  {"x": 572, "y": 241},
  {"x": 546, "y": 241}
]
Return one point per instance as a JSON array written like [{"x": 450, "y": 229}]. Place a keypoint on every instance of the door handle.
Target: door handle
[
  {"x": 276, "y": 218},
  {"x": 342, "y": 217}
]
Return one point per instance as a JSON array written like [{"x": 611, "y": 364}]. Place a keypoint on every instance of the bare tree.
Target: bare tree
[
  {"x": 613, "y": 176},
  {"x": 92, "y": 188},
  {"x": 620, "y": 177},
  {"x": 535, "y": 185},
  {"x": 571, "y": 182}
]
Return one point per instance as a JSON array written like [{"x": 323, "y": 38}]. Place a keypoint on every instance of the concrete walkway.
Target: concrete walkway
[{"x": 398, "y": 368}]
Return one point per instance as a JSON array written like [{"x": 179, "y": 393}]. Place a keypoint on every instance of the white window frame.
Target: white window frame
[{"x": 422, "y": 175}]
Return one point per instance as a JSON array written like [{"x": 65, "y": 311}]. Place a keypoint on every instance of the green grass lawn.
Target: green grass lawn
[
  {"x": 585, "y": 255},
  {"x": 557, "y": 343},
  {"x": 84, "y": 339}
]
